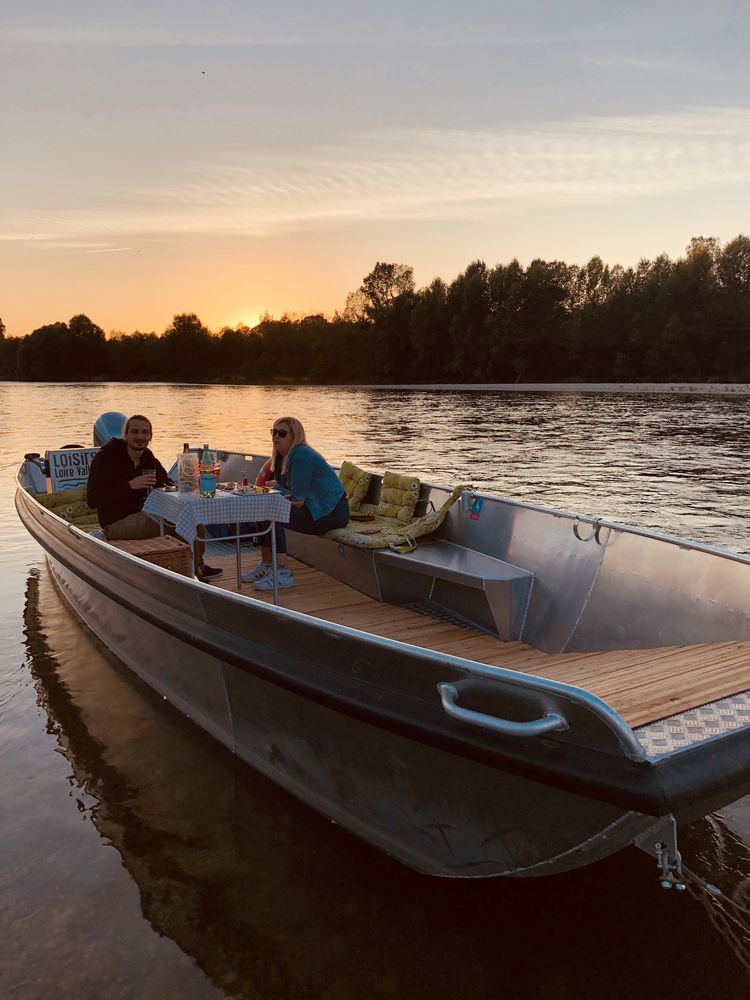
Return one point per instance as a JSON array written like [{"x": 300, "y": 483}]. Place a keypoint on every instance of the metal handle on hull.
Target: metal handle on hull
[
  {"x": 596, "y": 527},
  {"x": 550, "y": 722}
]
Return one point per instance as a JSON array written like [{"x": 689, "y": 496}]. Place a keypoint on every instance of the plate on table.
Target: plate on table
[{"x": 226, "y": 487}]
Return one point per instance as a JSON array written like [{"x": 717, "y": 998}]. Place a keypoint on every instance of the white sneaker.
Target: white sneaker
[
  {"x": 284, "y": 578},
  {"x": 256, "y": 573}
]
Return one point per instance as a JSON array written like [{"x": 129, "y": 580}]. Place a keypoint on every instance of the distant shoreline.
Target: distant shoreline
[
  {"x": 632, "y": 388},
  {"x": 621, "y": 388}
]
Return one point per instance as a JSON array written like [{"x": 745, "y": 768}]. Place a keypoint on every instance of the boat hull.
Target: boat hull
[
  {"x": 353, "y": 724},
  {"x": 437, "y": 812}
]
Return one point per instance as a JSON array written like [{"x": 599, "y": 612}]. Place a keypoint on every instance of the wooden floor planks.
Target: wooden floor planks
[{"x": 642, "y": 685}]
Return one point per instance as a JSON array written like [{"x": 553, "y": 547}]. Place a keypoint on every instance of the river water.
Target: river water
[{"x": 139, "y": 859}]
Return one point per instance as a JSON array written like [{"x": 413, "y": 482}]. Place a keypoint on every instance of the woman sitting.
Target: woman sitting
[{"x": 313, "y": 489}]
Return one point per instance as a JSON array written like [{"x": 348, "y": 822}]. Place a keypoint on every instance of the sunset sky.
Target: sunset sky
[{"x": 231, "y": 157}]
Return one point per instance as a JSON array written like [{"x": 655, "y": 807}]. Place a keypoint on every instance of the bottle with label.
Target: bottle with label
[
  {"x": 244, "y": 478},
  {"x": 187, "y": 470},
  {"x": 207, "y": 478}
]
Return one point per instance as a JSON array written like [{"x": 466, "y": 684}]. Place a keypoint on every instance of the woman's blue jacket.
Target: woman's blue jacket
[{"x": 311, "y": 479}]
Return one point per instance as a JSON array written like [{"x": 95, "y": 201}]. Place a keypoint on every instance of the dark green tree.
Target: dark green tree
[
  {"x": 543, "y": 322},
  {"x": 134, "y": 357},
  {"x": 468, "y": 306},
  {"x": 44, "y": 355},
  {"x": 382, "y": 287},
  {"x": 8, "y": 351},
  {"x": 87, "y": 342},
  {"x": 733, "y": 265},
  {"x": 188, "y": 350},
  {"x": 429, "y": 346}
]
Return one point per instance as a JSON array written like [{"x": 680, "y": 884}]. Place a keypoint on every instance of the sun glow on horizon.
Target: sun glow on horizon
[{"x": 249, "y": 317}]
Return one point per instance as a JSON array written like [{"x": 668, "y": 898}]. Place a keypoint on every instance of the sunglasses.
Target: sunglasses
[{"x": 275, "y": 432}]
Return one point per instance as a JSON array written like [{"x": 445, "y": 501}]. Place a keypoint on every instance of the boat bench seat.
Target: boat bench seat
[
  {"x": 447, "y": 561},
  {"x": 490, "y": 594},
  {"x": 449, "y": 576},
  {"x": 440, "y": 576}
]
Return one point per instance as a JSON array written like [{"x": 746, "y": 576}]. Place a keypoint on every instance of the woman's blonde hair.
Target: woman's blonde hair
[{"x": 298, "y": 437}]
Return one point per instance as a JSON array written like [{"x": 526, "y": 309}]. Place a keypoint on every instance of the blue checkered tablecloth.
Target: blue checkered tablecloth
[{"x": 187, "y": 511}]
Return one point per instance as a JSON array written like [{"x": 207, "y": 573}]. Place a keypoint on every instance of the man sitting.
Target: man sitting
[{"x": 120, "y": 477}]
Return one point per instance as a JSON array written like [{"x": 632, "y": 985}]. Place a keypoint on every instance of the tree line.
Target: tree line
[{"x": 663, "y": 320}]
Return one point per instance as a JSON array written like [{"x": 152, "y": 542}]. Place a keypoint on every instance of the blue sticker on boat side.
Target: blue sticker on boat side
[{"x": 476, "y": 508}]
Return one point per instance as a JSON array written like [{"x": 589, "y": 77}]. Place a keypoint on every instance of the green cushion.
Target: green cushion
[
  {"x": 390, "y": 533},
  {"x": 71, "y": 506},
  {"x": 356, "y": 482},
  {"x": 398, "y": 496}
]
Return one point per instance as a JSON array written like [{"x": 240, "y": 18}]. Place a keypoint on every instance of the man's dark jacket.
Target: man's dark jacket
[{"x": 108, "y": 487}]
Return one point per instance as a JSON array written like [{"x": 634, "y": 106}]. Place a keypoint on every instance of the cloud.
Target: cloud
[
  {"x": 131, "y": 36},
  {"x": 364, "y": 28},
  {"x": 478, "y": 23},
  {"x": 50, "y": 243},
  {"x": 428, "y": 174},
  {"x": 111, "y": 250},
  {"x": 655, "y": 64}
]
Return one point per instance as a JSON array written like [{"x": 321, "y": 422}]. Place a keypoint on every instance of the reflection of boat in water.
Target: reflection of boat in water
[
  {"x": 213, "y": 847},
  {"x": 721, "y": 843},
  {"x": 545, "y": 721},
  {"x": 271, "y": 900}
]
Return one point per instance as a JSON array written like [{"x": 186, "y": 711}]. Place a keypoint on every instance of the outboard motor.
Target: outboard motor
[
  {"x": 37, "y": 469},
  {"x": 108, "y": 426}
]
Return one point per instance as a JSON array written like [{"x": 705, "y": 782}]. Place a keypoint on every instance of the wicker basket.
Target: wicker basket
[{"x": 165, "y": 550}]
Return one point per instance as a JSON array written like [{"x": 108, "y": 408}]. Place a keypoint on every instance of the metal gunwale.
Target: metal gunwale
[{"x": 629, "y": 529}]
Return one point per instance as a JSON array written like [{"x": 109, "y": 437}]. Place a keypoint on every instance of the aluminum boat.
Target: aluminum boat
[{"x": 524, "y": 693}]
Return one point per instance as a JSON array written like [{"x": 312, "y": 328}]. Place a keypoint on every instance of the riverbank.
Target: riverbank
[
  {"x": 629, "y": 388},
  {"x": 623, "y": 388}
]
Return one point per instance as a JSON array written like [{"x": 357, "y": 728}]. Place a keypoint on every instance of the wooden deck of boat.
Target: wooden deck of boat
[{"x": 642, "y": 685}]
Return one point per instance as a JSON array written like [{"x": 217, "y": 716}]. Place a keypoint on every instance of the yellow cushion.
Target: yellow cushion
[
  {"x": 356, "y": 482},
  {"x": 388, "y": 533},
  {"x": 64, "y": 497},
  {"x": 71, "y": 506},
  {"x": 398, "y": 496}
]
